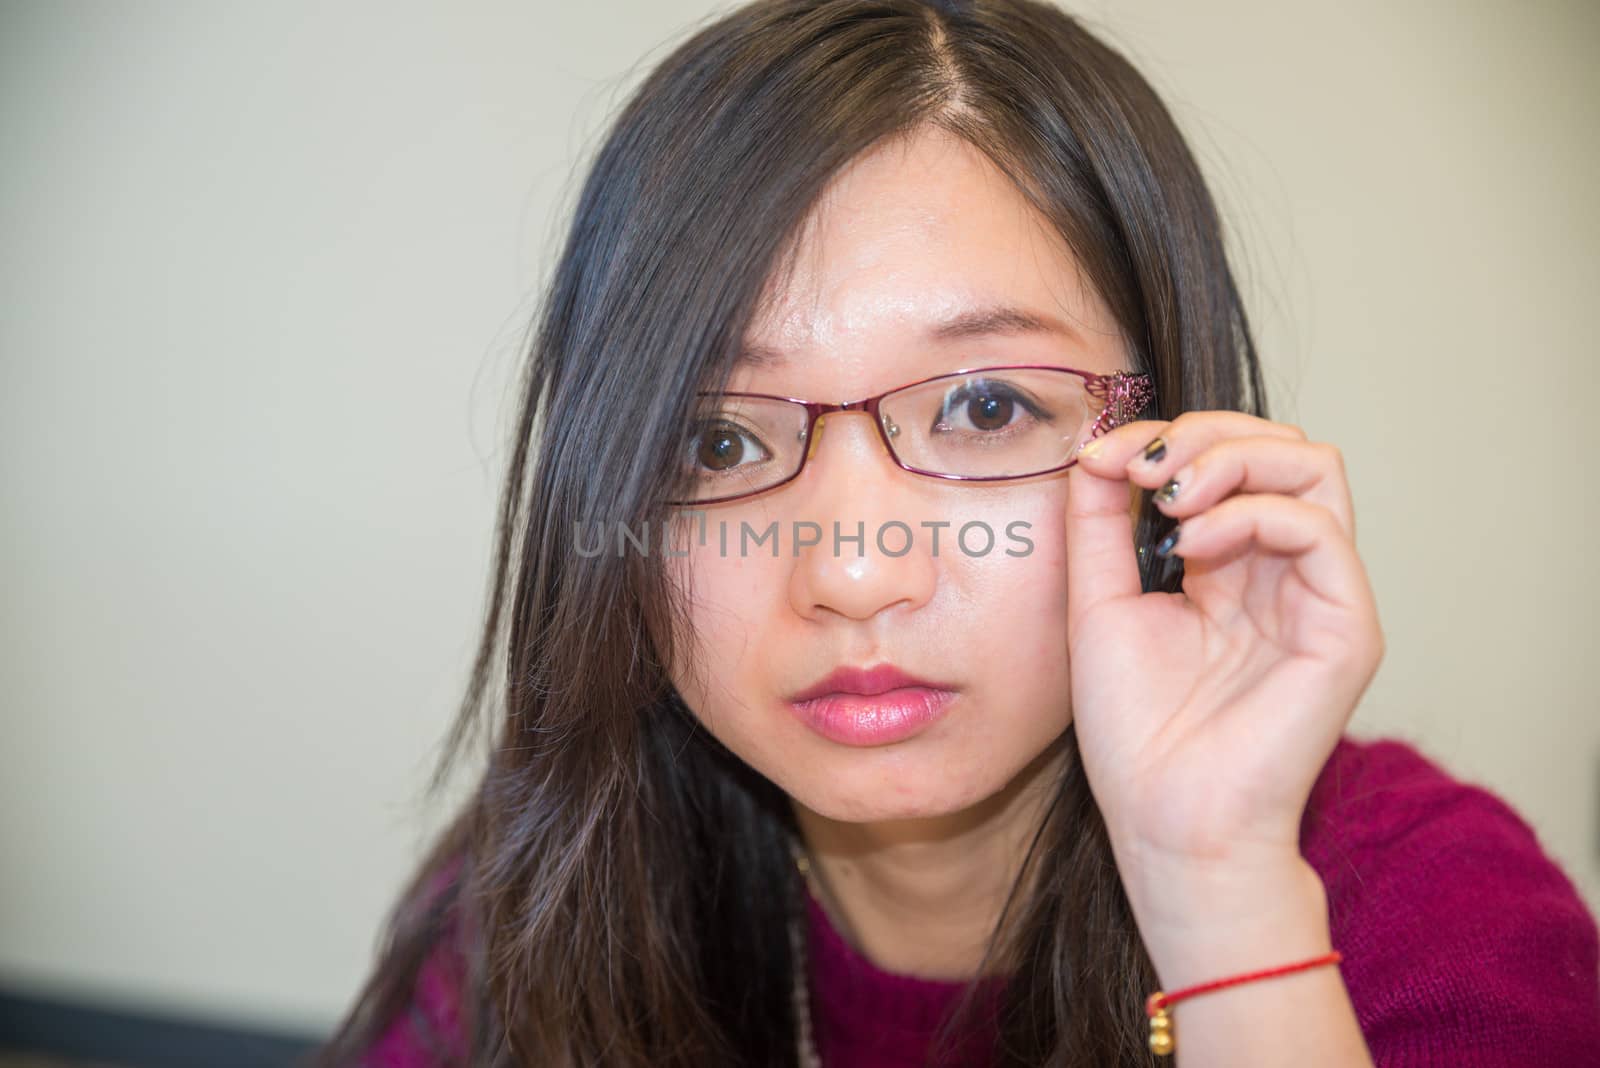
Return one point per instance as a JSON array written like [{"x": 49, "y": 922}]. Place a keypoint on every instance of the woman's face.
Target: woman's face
[{"x": 912, "y": 234}]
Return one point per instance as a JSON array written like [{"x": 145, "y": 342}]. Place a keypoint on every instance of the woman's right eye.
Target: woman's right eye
[{"x": 721, "y": 446}]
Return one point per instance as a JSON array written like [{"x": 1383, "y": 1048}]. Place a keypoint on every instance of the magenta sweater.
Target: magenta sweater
[{"x": 1464, "y": 943}]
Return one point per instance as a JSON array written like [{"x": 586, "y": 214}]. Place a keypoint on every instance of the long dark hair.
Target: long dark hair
[{"x": 618, "y": 883}]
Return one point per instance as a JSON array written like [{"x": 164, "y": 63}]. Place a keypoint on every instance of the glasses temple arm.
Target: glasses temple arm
[{"x": 1125, "y": 396}]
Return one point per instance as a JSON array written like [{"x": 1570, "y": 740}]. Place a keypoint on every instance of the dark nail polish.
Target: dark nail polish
[
  {"x": 1167, "y": 492},
  {"x": 1154, "y": 451},
  {"x": 1168, "y": 543}
]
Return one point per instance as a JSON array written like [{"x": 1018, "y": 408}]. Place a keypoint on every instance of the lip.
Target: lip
[
  {"x": 871, "y": 706},
  {"x": 880, "y": 719},
  {"x": 866, "y": 682}
]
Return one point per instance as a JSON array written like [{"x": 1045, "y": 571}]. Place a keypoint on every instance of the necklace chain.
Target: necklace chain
[{"x": 806, "y": 1044}]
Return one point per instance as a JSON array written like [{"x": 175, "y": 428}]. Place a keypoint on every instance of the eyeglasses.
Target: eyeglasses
[{"x": 986, "y": 424}]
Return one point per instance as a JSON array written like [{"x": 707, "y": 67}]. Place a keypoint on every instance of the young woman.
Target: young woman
[{"x": 920, "y": 647}]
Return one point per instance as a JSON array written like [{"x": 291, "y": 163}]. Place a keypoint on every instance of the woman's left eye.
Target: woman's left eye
[{"x": 983, "y": 408}]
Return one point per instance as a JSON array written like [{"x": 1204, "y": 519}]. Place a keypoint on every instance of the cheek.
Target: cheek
[
  {"x": 729, "y": 668},
  {"x": 732, "y": 605},
  {"x": 1017, "y": 631}
]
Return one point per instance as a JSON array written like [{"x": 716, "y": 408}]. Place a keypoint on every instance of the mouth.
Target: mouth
[{"x": 870, "y": 707}]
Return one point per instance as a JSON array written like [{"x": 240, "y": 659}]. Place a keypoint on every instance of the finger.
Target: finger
[
  {"x": 1324, "y": 557},
  {"x": 1312, "y": 471},
  {"x": 1146, "y": 450},
  {"x": 1101, "y": 565}
]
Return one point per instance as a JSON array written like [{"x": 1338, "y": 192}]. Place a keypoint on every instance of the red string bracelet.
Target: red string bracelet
[{"x": 1155, "y": 1006}]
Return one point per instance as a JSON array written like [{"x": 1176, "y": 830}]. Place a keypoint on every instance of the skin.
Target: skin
[{"x": 1203, "y": 717}]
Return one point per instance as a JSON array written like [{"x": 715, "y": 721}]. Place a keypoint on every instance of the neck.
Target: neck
[{"x": 922, "y": 896}]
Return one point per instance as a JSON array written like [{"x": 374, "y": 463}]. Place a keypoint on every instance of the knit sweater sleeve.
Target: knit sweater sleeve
[{"x": 1464, "y": 943}]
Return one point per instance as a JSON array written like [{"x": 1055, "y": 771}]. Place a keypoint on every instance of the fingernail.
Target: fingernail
[
  {"x": 1090, "y": 448},
  {"x": 1168, "y": 543},
  {"x": 1154, "y": 451},
  {"x": 1168, "y": 491}
]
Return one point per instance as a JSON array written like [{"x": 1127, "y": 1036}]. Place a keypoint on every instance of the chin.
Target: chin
[{"x": 875, "y": 796}]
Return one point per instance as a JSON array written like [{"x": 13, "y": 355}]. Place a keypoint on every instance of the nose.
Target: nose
[{"x": 874, "y": 552}]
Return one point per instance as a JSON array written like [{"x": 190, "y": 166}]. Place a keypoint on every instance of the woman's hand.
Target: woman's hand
[{"x": 1203, "y": 717}]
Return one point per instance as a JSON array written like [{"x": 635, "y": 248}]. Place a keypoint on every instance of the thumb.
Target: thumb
[{"x": 1101, "y": 564}]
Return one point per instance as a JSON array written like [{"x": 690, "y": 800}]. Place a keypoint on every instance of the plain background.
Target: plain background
[{"x": 264, "y": 276}]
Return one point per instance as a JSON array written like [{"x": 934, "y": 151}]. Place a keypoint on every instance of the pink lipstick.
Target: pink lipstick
[{"x": 874, "y": 706}]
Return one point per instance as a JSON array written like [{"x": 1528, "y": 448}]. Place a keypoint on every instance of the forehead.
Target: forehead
[
  {"x": 923, "y": 241},
  {"x": 987, "y": 322}
]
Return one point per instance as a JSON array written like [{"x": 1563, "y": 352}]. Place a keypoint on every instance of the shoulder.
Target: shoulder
[
  {"x": 427, "y": 1030},
  {"x": 1462, "y": 938}
]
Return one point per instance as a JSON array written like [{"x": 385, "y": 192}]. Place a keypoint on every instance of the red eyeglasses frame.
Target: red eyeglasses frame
[{"x": 1125, "y": 393}]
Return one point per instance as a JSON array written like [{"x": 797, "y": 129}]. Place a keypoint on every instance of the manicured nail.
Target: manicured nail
[
  {"x": 1090, "y": 449},
  {"x": 1154, "y": 451},
  {"x": 1168, "y": 543},
  {"x": 1168, "y": 491}
]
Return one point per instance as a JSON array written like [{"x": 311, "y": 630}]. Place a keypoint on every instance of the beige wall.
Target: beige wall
[{"x": 265, "y": 271}]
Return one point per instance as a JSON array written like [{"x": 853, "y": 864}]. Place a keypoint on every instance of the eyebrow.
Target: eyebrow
[{"x": 999, "y": 319}]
